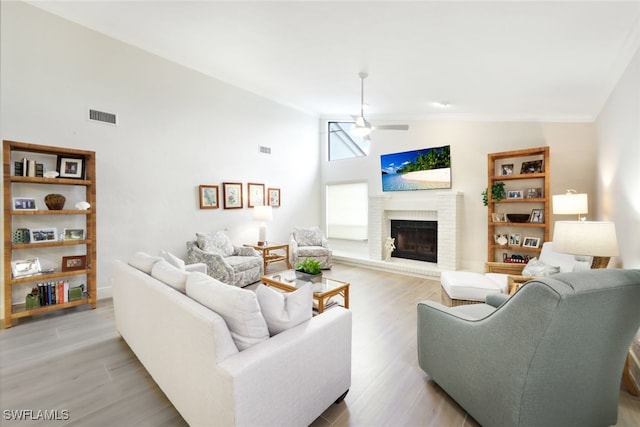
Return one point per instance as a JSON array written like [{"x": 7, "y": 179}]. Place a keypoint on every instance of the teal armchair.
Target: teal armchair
[{"x": 550, "y": 355}]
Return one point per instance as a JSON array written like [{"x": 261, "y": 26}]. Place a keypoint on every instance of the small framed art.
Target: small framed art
[
  {"x": 232, "y": 195},
  {"x": 74, "y": 262},
  {"x": 534, "y": 193},
  {"x": 514, "y": 194},
  {"x": 507, "y": 169},
  {"x": 514, "y": 239},
  {"x": 24, "y": 204},
  {"x": 499, "y": 217},
  {"x": 71, "y": 167},
  {"x": 41, "y": 235},
  {"x": 73, "y": 234},
  {"x": 25, "y": 267},
  {"x": 531, "y": 242},
  {"x": 534, "y": 166},
  {"x": 273, "y": 195},
  {"x": 537, "y": 216},
  {"x": 209, "y": 197},
  {"x": 256, "y": 194}
]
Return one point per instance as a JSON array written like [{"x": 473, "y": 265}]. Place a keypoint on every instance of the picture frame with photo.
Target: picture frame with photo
[
  {"x": 24, "y": 204},
  {"x": 70, "y": 234},
  {"x": 533, "y": 166},
  {"x": 273, "y": 197},
  {"x": 71, "y": 167},
  {"x": 209, "y": 197},
  {"x": 531, "y": 242},
  {"x": 515, "y": 239},
  {"x": 74, "y": 262},
  {"x": 256, "y": 194},
  {"x": 534, "y": 193},
  {"x": 537, "y": 216},
  {"x": 515, "y": 194},
  {"x": 25, "y": 267},
  {"x": 506, "y": 169},
  {"x": 232, "y": 195},
  {"x": 499, "y": 217},
  {"x": 42, "y": 235}
]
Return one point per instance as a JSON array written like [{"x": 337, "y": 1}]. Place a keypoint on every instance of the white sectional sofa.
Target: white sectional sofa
[{"x": 288, "y": 379}]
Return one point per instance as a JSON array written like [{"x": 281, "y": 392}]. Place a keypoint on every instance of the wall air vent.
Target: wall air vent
[
  {"x": 264, "y": 150},
  {"x": 102, "y": 117}
]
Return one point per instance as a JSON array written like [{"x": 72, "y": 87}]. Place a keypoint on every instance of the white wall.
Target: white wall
[
  {"x": 178, "y": 129},
  {"x": 618, "y": 130},
  {"x": 572, "y": 152}
]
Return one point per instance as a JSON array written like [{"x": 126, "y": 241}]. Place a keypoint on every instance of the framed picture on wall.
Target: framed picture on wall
[
  {"x": 256, "y": 194},
  {"x": 273, "y": 196},
  {"x": 232, "y": 195},
  {"x": 209, "y": 197}
]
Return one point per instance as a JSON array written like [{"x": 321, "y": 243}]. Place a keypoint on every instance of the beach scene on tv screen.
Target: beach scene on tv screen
[{"x": 425, "y": 169}]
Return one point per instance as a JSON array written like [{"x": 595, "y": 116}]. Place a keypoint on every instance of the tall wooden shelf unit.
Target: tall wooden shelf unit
[
  {"x": 34, "y": 187},
  {"x": 514, "y": 182}
]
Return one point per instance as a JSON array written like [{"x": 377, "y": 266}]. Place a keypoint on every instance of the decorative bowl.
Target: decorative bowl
[
  {"x": 518, "y": 217},
  {"x": 54, "y": 202}
]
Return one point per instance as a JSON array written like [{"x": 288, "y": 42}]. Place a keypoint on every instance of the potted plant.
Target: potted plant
[
  {"x": 310, "y": 270},
  {"x": 497, "y": 193}
]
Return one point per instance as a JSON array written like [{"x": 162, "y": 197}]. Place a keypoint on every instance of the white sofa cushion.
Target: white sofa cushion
[
  {"x": 143, "y": 262},
  {"x": 173, "y": 260},
  {"x": 238, "y": 307},
  {"x": 284, "y": 310},
  {"x": 170, "y": 275}
]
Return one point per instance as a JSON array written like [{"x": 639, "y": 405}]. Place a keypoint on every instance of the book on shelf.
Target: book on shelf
[
  {"x": 26, "y": 167},
  {"x": 51, "y": 293}
]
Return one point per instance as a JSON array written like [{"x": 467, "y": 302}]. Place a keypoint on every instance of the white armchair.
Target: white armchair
[{"x": 309, "y": 242}]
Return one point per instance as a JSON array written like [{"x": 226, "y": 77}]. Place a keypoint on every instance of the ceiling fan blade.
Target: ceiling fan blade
[{"x": 391, "y": 127}]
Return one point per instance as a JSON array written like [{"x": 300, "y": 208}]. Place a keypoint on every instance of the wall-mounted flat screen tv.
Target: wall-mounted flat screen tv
[{"x": 425, "y": 169}]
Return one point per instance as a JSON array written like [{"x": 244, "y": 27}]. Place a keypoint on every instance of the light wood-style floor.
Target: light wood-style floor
[{"x": 75, "y": 361}]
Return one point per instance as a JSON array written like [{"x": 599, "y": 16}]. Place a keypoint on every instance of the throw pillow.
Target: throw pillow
[
  {"x": 216, "y": 243},
  {"x": 284, "y": 310},
  {"x": 173, "y": 260},
  {"x": 238, "y": 307},
  {"x": 143, "y": 262},
  {"x": 170, "y": 275},
  {"x": 537, "y": 268},
  {"x": 308, "y": 236}
]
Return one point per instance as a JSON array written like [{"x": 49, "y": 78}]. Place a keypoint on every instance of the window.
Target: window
[
  {"x": 343, "y": 144},
  {"x": 347, "y": 211}
]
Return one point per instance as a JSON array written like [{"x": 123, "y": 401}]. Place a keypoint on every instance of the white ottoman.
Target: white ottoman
[{"x": 465, "y": 287}]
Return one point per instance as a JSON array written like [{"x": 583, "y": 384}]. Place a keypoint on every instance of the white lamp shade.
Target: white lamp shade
[
  {"x": 593, "y": 238},
  {"x": 262, "y": 213},
  {"x": 570, "y": 204}
]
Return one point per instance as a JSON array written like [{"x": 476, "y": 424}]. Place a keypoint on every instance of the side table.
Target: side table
[{"x": 268, "y": 256}]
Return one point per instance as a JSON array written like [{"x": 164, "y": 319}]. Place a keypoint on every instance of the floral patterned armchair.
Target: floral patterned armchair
[
  {"x": 309, "y": 242},
  {"x": 230, "y": 264}
]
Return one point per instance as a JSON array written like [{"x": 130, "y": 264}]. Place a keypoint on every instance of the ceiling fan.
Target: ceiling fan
[{"x": 363, "y": 127}]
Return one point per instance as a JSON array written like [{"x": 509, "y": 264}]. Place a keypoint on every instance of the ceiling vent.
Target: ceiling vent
[{"x": 103, "y": 117}]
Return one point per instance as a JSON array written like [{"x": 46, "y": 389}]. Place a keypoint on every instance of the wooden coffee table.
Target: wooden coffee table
[{"x": 324, "y": 289}]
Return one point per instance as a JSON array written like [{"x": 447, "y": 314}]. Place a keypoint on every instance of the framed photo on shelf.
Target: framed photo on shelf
[
  {"x": 499, "y": 217},
  {"x": 537, "y": 216},
  {"x": 24, "y": 204},
  {"x": 25, "y": 267},
  {"x": 74, "y": 262},
  {"x": 256, "y": 194},
  {"x": 506, "y": 169},
  {"x": 273, "y": 196},
  {"x": 71, "y": 167},
  {"x": 531, "y": 242},
  {"x": 209, "y": 197},
  {"x": 514, "y": 194},
  {"x": 232, "y": 195},
  {"x": 41, "y": 235},
  {"x": 534, "y": 166},
  {"x": 534, "y": 193},
  {"x": 73, "y": 234},
  {"x": 514, "y": 239}
]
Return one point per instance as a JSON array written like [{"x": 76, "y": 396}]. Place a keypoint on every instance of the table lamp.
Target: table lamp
[
  {"x": 587, "y": 238},
  {"x": 571, "y": 203},
  {"x": 262, "y": 213}
]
